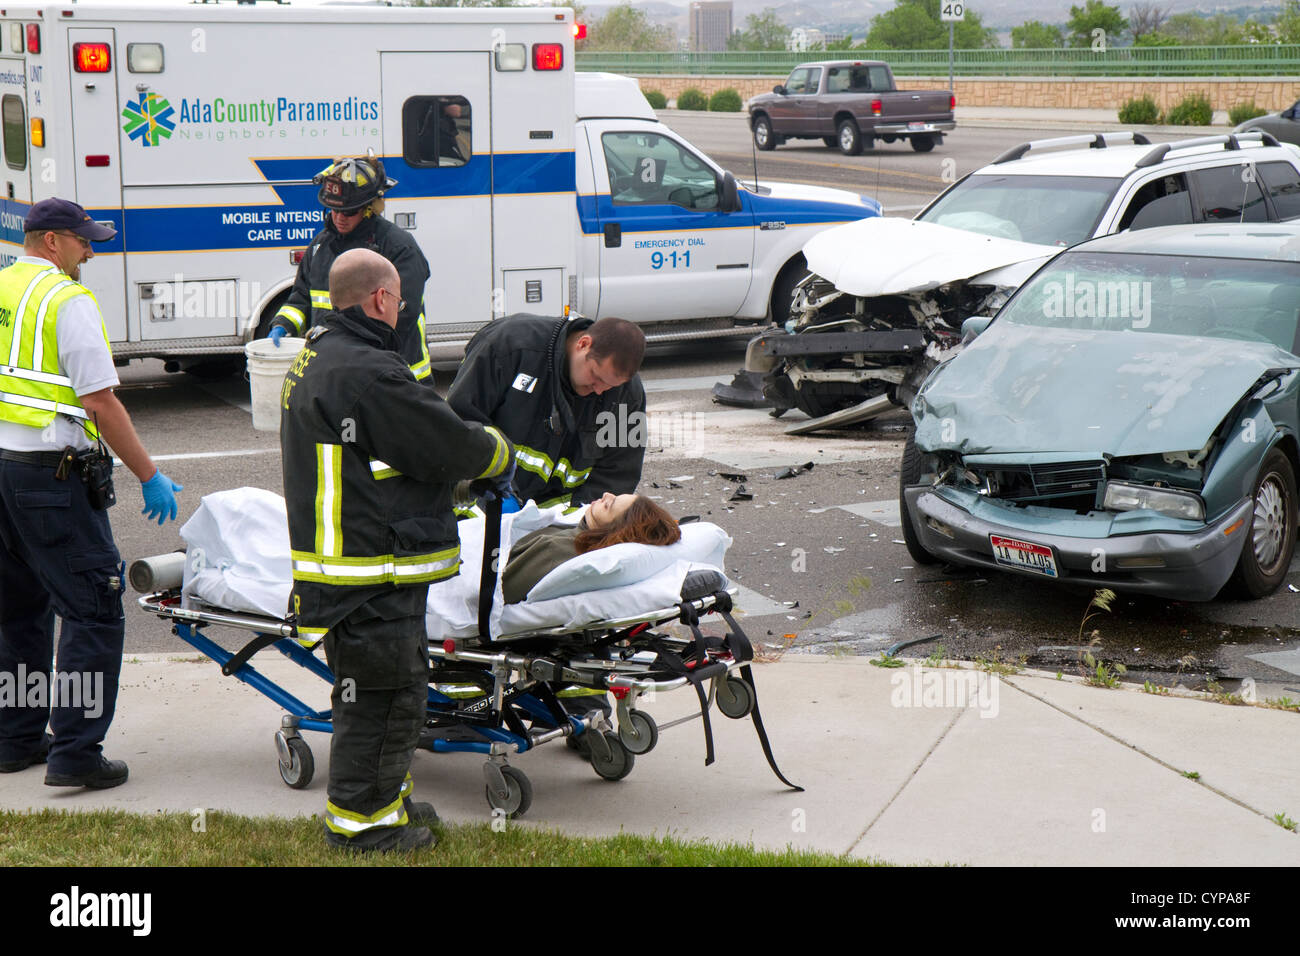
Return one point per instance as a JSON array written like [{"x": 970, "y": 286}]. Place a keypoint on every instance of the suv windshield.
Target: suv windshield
[
  {"x": 1246, "y": 299},
  {"x": 1049, "y": 210}
]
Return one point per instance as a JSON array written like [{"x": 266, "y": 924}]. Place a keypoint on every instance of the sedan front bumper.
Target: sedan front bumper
[{"x": 1186, "y": 565}]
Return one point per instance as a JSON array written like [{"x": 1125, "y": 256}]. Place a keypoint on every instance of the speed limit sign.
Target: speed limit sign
[{"x": 951, "y": 11}]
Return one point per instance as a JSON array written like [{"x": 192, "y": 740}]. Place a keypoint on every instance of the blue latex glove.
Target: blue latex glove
[
  {"x": 277, "y": 334},
  {"x": 503, "y": 484},
  {"x": 160, "y": 497}
]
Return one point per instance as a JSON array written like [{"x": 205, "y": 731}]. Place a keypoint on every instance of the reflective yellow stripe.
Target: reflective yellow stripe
[
  {"x": 424, "y": 367},
  {"x": 294, "y": 316},
  {"x": 58, "y": 408},
  {"x": 309, "y": 637},
  {"x": 21, "y": 312},
  {"x": 329, "y": 499},
  {"x": 380, "y": 469},
  {"x": 349, "y": 823},
  {"x": 561, "y": 500},
  {"x": 500, "y": 456},
  {"x": 378, "y": 569},
  {"x": 571, "y": 479},
  {"x": 320, "y": 298},
  {"x": 530, "y": 459},
  {"x": 43, "y": 310},
  {"x": 408, "y": 786}
]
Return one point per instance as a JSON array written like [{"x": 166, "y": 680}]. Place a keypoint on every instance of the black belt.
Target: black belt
[{"x": 46, "y": 459}]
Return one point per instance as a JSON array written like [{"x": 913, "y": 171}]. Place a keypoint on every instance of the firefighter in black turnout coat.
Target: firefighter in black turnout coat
[
  {"x": 370, "y": 460},
  {"x": 567, "y": 394}
]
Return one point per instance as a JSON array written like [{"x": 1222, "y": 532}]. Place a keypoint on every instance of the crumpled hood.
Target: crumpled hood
[
  {"x": 1018, "y": 388},
  {"x": 893, "y": 256}
]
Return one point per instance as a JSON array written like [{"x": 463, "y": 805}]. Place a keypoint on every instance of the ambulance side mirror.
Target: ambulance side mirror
[{"x": 730, "y": 194}]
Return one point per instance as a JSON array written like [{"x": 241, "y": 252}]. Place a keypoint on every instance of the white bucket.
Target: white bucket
[{"x": 266, "y": 367}]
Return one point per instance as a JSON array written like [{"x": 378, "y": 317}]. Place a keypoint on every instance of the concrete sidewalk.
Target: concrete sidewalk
[{"x": 1029, "y": 770}]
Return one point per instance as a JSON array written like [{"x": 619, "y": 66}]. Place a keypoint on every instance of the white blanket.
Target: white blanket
[{"x": 238, "y": 560}]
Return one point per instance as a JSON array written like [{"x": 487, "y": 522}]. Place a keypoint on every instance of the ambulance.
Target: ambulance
[{"x": 196, "y": 131}]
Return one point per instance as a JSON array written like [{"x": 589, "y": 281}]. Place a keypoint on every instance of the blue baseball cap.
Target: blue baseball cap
[{"x": 65, "y": 214}]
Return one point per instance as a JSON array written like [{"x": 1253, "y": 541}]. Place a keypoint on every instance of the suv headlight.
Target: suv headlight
[{"x": 1122, "y": 496}]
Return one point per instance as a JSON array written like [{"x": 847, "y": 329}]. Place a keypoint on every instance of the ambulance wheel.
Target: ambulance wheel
[
  {"x": 298, "y": 772},
  {"x": 520, "y": 797},
  {"x": 639, "y": 733},
  {"x": 734, "y": 696},
  {"x": 620, "y": 761}
]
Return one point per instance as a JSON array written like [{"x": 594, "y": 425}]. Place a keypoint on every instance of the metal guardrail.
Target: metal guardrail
[{"x": 1242, "y": 60}]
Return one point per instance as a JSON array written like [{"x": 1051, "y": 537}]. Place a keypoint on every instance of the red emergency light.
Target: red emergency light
[
  {"x": 33, "y": 38},
  {"x": 580, "y": 31},
  {"x": 91, "y": 57},
  {"x": 548, "y": 56}
]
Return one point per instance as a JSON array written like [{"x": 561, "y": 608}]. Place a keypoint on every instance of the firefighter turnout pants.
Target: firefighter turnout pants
[{"x": 379, "y": 656}]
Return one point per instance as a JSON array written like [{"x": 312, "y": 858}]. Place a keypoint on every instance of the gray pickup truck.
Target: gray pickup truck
[{"x": 849, "y": 104}]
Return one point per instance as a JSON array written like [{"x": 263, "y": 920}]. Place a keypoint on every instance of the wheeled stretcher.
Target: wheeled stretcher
[{"x": 499, "y": 696}]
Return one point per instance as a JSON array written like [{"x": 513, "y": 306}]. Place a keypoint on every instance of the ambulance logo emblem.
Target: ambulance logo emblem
[{"x": 148, "y": 119}]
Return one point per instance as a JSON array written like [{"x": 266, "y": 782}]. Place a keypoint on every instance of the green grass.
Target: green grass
[
  {"x": 1285, "y": 822},
  {"x": 118, "y": 838}
]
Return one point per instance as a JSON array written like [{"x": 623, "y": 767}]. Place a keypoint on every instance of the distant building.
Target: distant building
[
  {"x": 710, "y": 25},
  {"x": 803, "y": 39}
]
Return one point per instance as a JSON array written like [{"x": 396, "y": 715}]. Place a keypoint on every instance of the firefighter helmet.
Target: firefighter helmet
[{"x": 351, "y": 184}]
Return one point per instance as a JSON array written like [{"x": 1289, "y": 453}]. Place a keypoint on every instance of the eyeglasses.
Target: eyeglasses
[
  {"x": 85, "y": 243},
  {"x": 401, "y": 303}
]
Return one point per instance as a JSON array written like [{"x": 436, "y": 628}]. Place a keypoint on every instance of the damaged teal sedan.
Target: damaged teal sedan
[{"x": 1129, "y": 420}]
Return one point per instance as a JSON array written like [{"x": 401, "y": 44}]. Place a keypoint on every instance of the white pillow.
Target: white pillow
[{"x": 702, "y": 542}]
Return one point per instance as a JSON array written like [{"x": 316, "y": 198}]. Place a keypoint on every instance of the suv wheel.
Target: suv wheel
[
  {"x": 909, "y": 473},
  {"x": 923, "y": 143},
  {"x": 763, "y": 137},
  {"x": 848, "y": 137}
]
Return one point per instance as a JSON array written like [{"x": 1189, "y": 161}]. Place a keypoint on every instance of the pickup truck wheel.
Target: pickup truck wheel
[
  {"x": 848, "y": 138},
  {"x": 830, "y": 141},
  {"x": 909, "y": 473},
  {"x": 763, "y": 136},
  {"x": 1271, "y": 531},
  {"x": 923, "y": 144}
]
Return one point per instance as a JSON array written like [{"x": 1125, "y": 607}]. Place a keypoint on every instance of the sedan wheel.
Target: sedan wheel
[{"x": 1266, "y": 554}]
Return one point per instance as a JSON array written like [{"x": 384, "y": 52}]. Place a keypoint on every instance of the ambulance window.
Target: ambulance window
[
  {"x": 646, "y": 168},
  {"x": 436, "y": 131},
  {"x": 14, "y": 121}
]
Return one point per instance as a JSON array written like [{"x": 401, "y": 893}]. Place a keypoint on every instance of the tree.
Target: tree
[
  {"x": 762, "y": 32},
  {"x": 626, "y": 28},
  {"x": 1146, "y": 18},
  {"x": 846, "y": 43},
  {"x": 1287, "y": 24},
  {"x": 1156, "y": 38},
  {"x": 1252, "y": 31},
  {"x": 1195, "y": 29},
  {"x": 1095, "y": 15},
  {"x": 915, "y": 25},
  {"x": 1033, "y": 35}
]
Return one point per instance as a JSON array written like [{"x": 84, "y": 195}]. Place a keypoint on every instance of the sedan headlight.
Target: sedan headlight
[{"x": 1122, "y": 496}]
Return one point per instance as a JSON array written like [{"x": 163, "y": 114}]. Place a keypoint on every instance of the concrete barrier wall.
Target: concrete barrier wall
[{"x": 1270, "y": 93}]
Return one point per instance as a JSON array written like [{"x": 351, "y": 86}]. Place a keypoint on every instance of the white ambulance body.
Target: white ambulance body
[{"x": 196, "y": 131}]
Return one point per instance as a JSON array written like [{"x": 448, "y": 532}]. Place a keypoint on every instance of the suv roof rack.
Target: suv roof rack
[
  {"x": 1092, "y": 140},
  {"x": 1226, "y": 140}
]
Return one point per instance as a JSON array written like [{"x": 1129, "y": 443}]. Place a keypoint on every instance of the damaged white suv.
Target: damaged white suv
[{"x": 887, "y": 297}]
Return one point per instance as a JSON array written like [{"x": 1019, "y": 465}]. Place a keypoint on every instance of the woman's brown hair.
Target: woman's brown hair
[{"x": 644, "y": 522}]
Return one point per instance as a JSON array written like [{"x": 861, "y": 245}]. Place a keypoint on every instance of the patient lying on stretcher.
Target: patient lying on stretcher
[{"x": 610, "y": 520}]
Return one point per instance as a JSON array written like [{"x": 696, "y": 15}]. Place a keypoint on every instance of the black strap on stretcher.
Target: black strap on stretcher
[
  {"x": 241, "y": 656},
  {"x": 488, "y": 575},
  {"x": 738, "y": 644}
]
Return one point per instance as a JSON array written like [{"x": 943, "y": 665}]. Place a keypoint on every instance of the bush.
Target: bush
[
  {"x": 1139, "y": 112},
  {"x": 692, "y": 99},
  {"x": 1194, "y": 110},
  {"x": 1244, "y": 111},
  {"x": 656, "y": 99},
  {"x": 725, "y": 101}
]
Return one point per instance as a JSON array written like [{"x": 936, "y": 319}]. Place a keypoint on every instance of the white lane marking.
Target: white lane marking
[
  {"x": 755, "y": 604},
  {"x": 210, "y": 454},
  {"x": 698, "y": 383}
]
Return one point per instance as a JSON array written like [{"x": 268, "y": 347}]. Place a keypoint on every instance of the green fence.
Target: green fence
[{"x": 1245, "y": 60}]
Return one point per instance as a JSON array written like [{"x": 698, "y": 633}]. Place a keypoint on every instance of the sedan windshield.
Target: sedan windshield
[
  {"x": 1049, "y": 210},
  {"x": 1247, "y": 299}
]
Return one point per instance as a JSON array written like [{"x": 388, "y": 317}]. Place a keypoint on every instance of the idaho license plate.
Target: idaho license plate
[
  {"x": 1024, "y": 555},
  {"x": 916, "y": 125}
]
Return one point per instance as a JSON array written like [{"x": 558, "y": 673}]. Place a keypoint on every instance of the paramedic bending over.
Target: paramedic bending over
[
  {"x": 352, "y": 192},
  {"x": 609, "y": 521}
]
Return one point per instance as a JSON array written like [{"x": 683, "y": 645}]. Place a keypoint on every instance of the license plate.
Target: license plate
[
  {"x": 917, "y": 125},
  {"x": 1023, "y": 555}
]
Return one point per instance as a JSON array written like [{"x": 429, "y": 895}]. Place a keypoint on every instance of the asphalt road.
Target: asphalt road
[{"x": 819, "y": 555}]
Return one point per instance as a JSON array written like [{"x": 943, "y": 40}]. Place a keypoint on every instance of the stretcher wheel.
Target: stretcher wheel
[
  {"x": 639, "y": 732},
  {"x": 734, "y": 696},
  {"x": 618, "y": 764},
  {"x": 298, "y": 772},
  {"x": 521, "y": 794}
]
